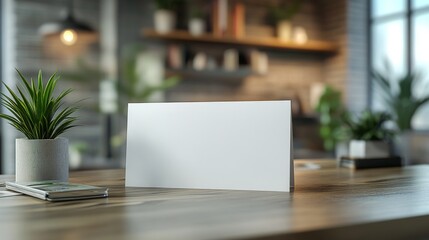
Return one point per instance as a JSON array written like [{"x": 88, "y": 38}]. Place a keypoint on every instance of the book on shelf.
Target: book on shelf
[
  {"x": 58, "y": 191},
  {"x": 215, "y": 18},
  {"x": 223, "y": 17},
  {"x": 228, "y": 18},
  {"x": 238, "y": 20}
]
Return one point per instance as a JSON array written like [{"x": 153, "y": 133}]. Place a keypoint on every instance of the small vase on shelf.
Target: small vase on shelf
[
  {"x": 165, "y": 21},
  {"x": 284, "y": 30},
  {"x": 196, "y": 26}
]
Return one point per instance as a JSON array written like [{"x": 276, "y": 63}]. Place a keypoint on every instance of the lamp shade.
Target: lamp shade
[{"x": 68, "y": 30}]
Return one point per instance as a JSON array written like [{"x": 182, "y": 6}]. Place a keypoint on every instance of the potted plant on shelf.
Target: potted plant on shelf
[
  {"x": 196, "y": 25},
  {"x": 281, "y": 17},
  {"x": 41, "y": 117},
  {"x": 165, "y": 17},
  {"x": 369, "y": 135}
]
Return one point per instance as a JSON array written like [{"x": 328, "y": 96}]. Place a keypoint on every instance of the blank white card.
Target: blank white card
[{"x": 210, "y": 145}]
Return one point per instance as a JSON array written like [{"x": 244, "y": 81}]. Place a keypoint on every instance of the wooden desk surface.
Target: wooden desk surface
[{"x": 329, "y": 203}]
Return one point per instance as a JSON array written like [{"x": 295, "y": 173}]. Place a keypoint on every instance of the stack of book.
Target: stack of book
[
  {"x": 57, "y": 191},
  {"x": 361, "y": 163}
]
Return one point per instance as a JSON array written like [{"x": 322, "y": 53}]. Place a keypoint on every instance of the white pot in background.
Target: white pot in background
[
  {"x": 368, "y": 149},
  {"x": 284, "y": 30},
  {"x": 196, "y": 26},
  {"x": 165, "y": 21},
  {"x": 42, "y": 159}
]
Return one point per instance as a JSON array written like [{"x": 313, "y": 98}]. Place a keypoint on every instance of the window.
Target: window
[
  {"x": 382, "y": 8},
  {"x": 399, "y": 37},
  {"x": 420, "y": 3}
]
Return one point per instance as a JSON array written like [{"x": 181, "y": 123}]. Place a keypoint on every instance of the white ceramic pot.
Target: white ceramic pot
[
  {"x": 42, "y": 159},
  {"x": 284, "y": 30},
  {"x": 196, "y": 26},
  {"x": 368, "y": 149},
  {"x": 165, "y": 21}
]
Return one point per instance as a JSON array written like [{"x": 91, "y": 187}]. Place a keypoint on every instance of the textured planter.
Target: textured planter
[
  {"x": 412, "y": 146},
  {"x": 368, "y": 149},
  {"x": 42, "y": 159},
  {"x": 196, "y": 26},
  {"x": 284, "y": 30},
  {"x": 165, "y": 21}
]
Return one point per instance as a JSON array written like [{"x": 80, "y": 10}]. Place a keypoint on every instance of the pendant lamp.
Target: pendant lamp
[{"x": 69, "y": 29}]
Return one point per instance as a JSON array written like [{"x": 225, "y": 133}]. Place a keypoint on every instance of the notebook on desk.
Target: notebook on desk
[{"x": 210, "y": 145}]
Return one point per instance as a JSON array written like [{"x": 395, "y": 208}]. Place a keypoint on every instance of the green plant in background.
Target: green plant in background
[
  {"x": 130, "y": 86},
  {"x": 283, "y": 11},
  {"x": 369, "y": 126},
  {"x": 130, "y": 89},
  {"x": 331, "y": 112},
  {"x": 35, "y": 111},
  {"x": 400, "y": 97},
  {"x": 167, "y": 4}
]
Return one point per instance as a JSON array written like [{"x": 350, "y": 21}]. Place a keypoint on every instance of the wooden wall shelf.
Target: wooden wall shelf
[
  {"x": 238, "y": 74},
  {"x": 310, "y": 46}
]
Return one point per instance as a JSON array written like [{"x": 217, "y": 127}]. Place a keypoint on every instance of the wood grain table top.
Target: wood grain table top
[{"x": 328, "y": 203}]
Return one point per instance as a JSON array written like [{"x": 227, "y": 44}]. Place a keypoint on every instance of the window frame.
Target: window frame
[{"x": 407, "y": 15}]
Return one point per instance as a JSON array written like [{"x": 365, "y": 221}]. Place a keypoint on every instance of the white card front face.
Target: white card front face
[{"x": 210, "y": 145}]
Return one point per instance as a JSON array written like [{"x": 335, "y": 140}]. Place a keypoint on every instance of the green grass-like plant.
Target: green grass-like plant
[
  {"x": 369, "y": 126},
  {"x": 35, "y": 111}
]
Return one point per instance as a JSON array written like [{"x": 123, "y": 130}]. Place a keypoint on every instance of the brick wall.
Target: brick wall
[{"x": 335, "y": 30}]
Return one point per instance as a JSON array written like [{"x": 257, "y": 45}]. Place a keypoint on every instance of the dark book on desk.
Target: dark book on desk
[
  {"x": 58, "y": 191},
  {"x": 362, "y": 163}
]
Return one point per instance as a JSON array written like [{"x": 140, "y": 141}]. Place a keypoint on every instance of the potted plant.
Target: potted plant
[
  {"x": 403, "y": 102},
  {"x": 281, "y": 18},
  {"x": 165, "y": 17},
  {"x": 369, "y": 135},
  {"x": 196, "y": 25},
  {"x": 42, "y": 118}
]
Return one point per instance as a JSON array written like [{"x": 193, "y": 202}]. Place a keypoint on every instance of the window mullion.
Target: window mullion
[{"x": 408, "y": 41}]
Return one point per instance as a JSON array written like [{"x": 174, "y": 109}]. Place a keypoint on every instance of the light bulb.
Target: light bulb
[{"x": 68, "y": 37}]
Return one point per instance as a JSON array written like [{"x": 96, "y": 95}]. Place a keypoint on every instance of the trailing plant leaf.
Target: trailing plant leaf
[
  {"x": 35, "y": 111},
  {"x": 130, "y": 86}
]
